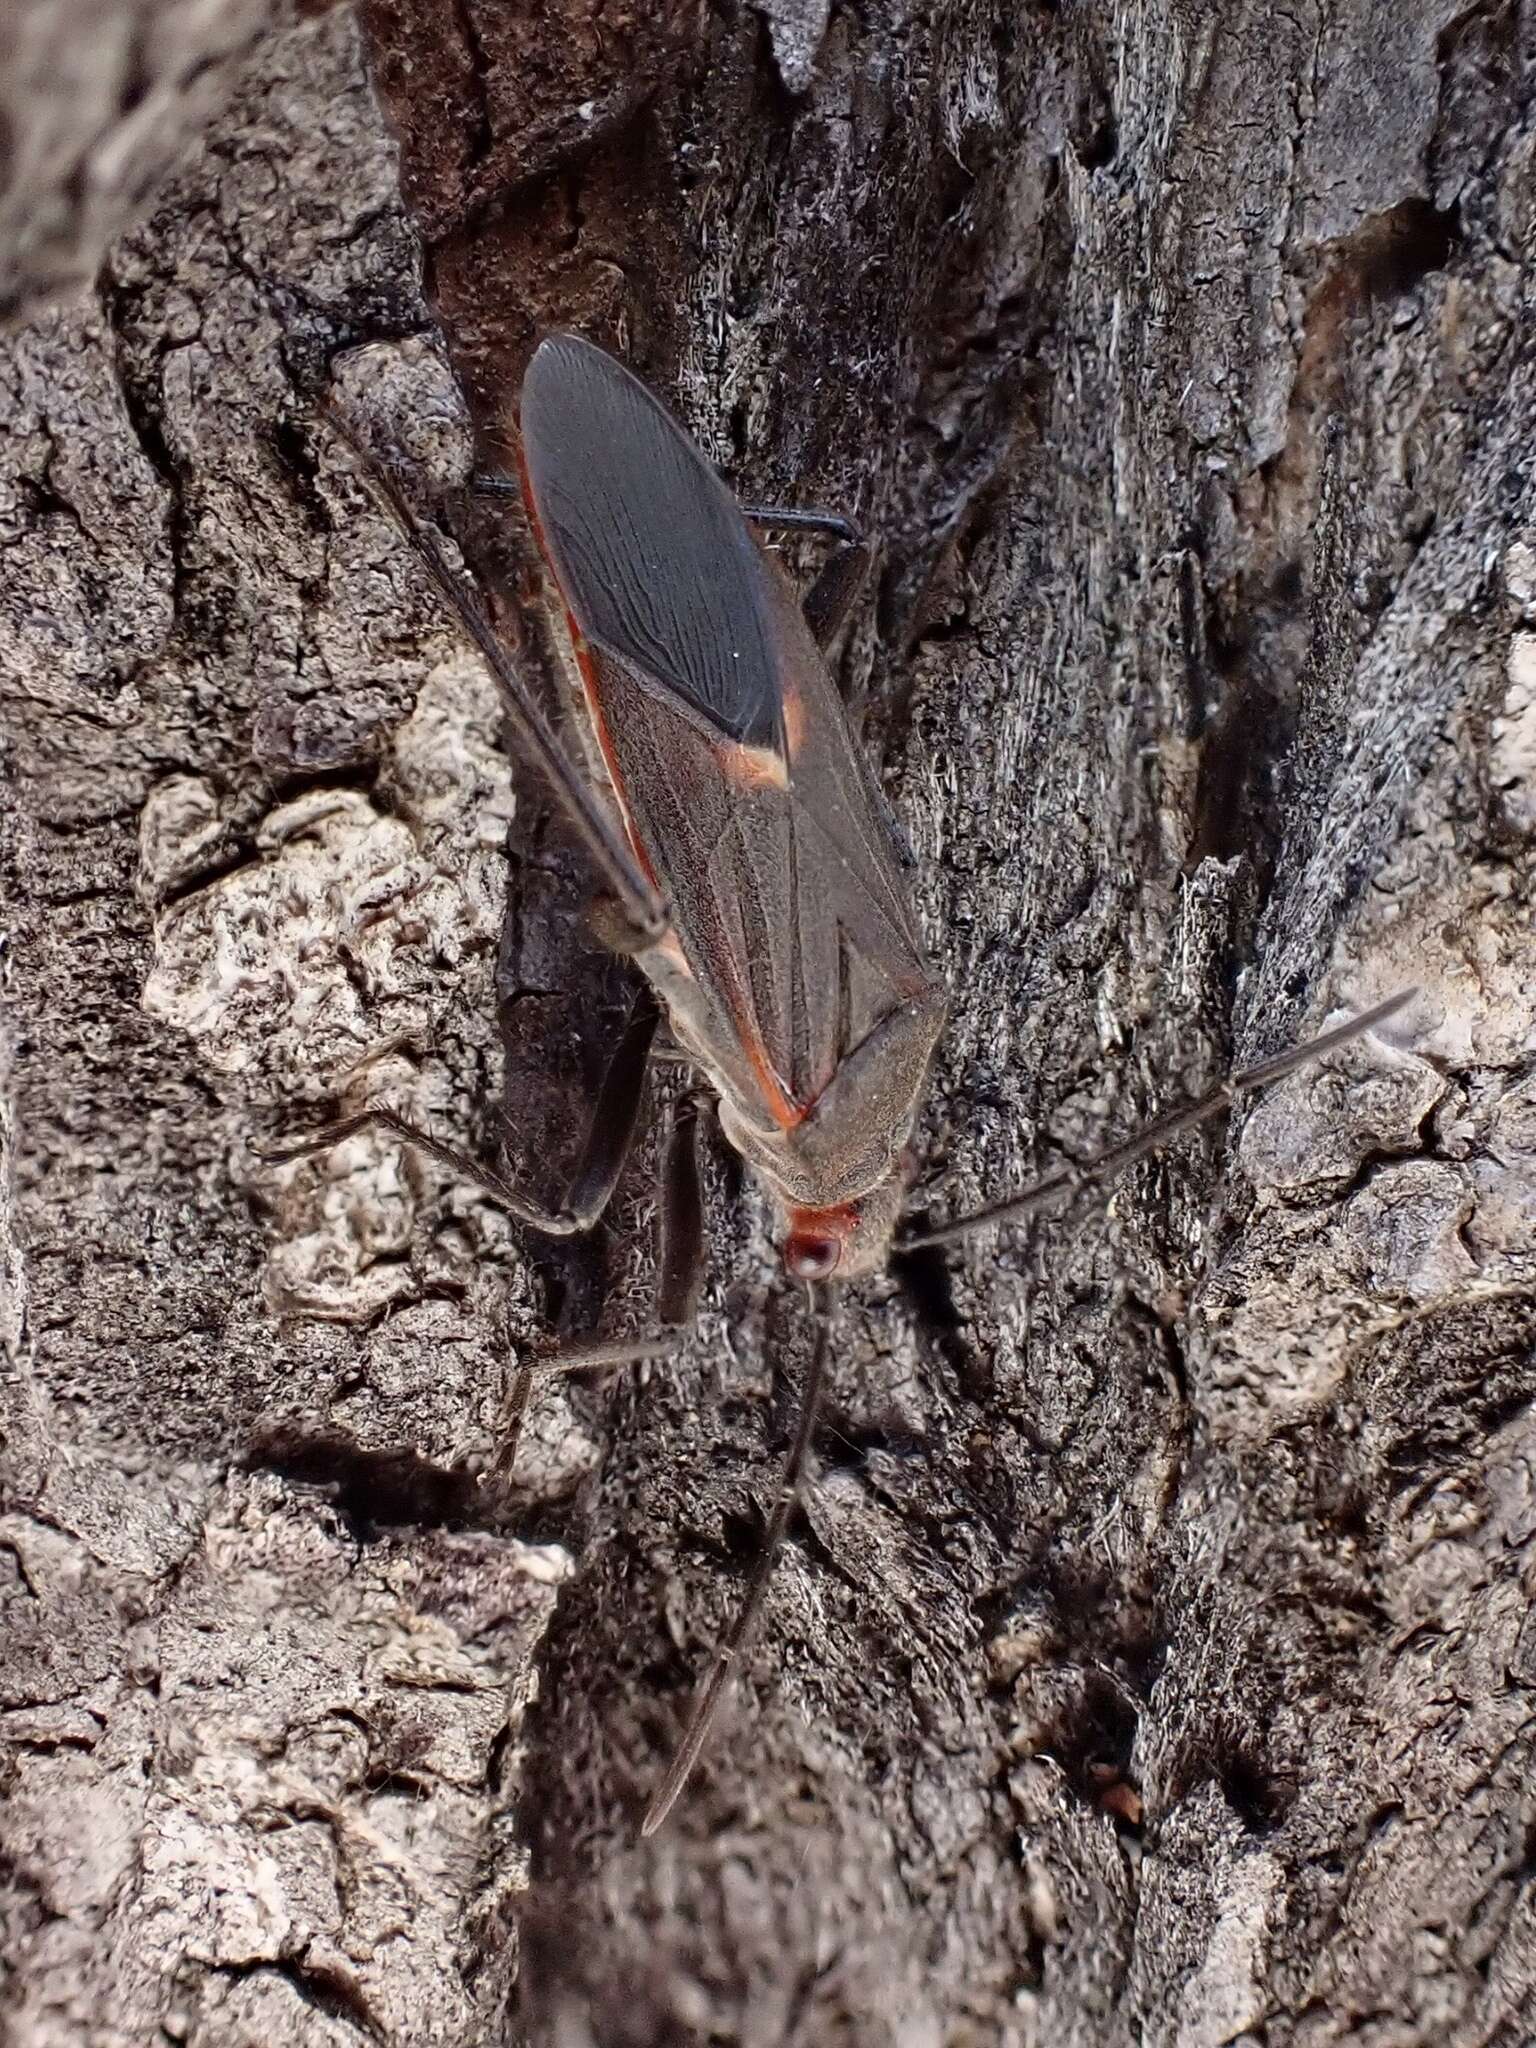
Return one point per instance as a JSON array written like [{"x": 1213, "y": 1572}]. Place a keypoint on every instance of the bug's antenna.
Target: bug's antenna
[
  {"x": 1105, "y": 1165},
  {"x": 711, "y": 1694}
]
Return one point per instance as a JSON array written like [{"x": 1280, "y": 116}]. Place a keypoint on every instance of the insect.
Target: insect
[{"x": 746, "y": 862}]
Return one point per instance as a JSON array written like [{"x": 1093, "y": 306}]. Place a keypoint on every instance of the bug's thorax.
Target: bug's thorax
[
  {"x": 848, "y": 1241},
  {"x": 839, "y": 1204}
]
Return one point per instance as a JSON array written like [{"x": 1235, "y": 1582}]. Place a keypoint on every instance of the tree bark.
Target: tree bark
[{"x": 1154, "y": 1661}]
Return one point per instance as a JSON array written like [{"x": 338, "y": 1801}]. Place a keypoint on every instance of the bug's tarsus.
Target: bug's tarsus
[
  {"x": 711, "y": 1694},
  {"x": 828, "y": 601},
  {"x": 805, "y": 519},
  {"x": 488, "y": 484},
  {"x": 1161, "y": 1131},
  {"x": 606, "y": 1356},
  {"x": 601, "y": 1357},
  {"x": 509, "y": 1436},
  {"x": 641, "y": 904}
]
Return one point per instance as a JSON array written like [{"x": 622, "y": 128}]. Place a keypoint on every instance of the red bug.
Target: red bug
[{"x": 748, "y": 865}]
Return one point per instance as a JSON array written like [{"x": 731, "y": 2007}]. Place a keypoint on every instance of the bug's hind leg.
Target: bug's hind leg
[{"x": 610, "y": 1135}]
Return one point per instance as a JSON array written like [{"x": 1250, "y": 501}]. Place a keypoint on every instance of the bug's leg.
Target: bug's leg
[
  {"x": 836, "y": 586},
  {"x": 609, "y": 1136},
  {"x": 830, "y": 598},
  {"x": 808, "y": 519},
  {"x": 711, "y": 1694},
  {"x": 827, "y": 602},
  {"x": 680, "y": 1227},
  {"x": 679, "y": 1257},
  {"x": 680, "y": 1274},
  {"x": 615, "y": 1115},
  {"x": 642, "y": 907},
  {"x": 489, "y": 484},
  {"x": 1151, "y": 1137}
]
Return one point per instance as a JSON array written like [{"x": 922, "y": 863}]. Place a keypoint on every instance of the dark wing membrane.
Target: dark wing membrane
[{"x": 652, "y": 554}]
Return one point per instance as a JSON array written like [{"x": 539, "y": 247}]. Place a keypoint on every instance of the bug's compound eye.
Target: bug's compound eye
[{"x": 811, "y": 1254}]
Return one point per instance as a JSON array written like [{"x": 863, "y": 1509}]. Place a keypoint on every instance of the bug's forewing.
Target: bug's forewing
[
  {"x": 648, "y": 545},
  {"x": 726, "y": 742}
]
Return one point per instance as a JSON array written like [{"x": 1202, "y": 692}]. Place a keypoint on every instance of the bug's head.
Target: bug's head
[{"x": 847, "y": 1241}]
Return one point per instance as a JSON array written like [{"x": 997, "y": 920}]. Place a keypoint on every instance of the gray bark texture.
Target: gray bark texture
[{"x": 1154, "y": 1659}]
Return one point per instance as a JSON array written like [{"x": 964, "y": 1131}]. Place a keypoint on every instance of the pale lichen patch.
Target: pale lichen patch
[
  {"x": 1321, "y": 1123},
  {"x": 349, "y": 1266},
  {"x": 1512, "y": 752},
  {"x": 326, "y": 964},
  {"x": 1501, "y": 1231},
  {"x": 255, "y": 967},
  {"x": 1405, "y": 1228},
  {"x": 183, "y": 829},
  {"x": 327, "y": 949}
]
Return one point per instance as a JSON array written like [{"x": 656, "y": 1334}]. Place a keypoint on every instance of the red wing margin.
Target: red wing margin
[{"x": 651, "y": 552}]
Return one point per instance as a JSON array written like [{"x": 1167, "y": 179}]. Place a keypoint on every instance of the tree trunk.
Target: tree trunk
[{"x": 1153, "y": 1662}]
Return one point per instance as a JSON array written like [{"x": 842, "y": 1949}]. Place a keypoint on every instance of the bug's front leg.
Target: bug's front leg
[{"x": 644, "y": 912}]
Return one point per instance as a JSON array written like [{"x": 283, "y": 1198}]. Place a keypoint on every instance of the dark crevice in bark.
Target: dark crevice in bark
[{"x": 373, "y": 1490}]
